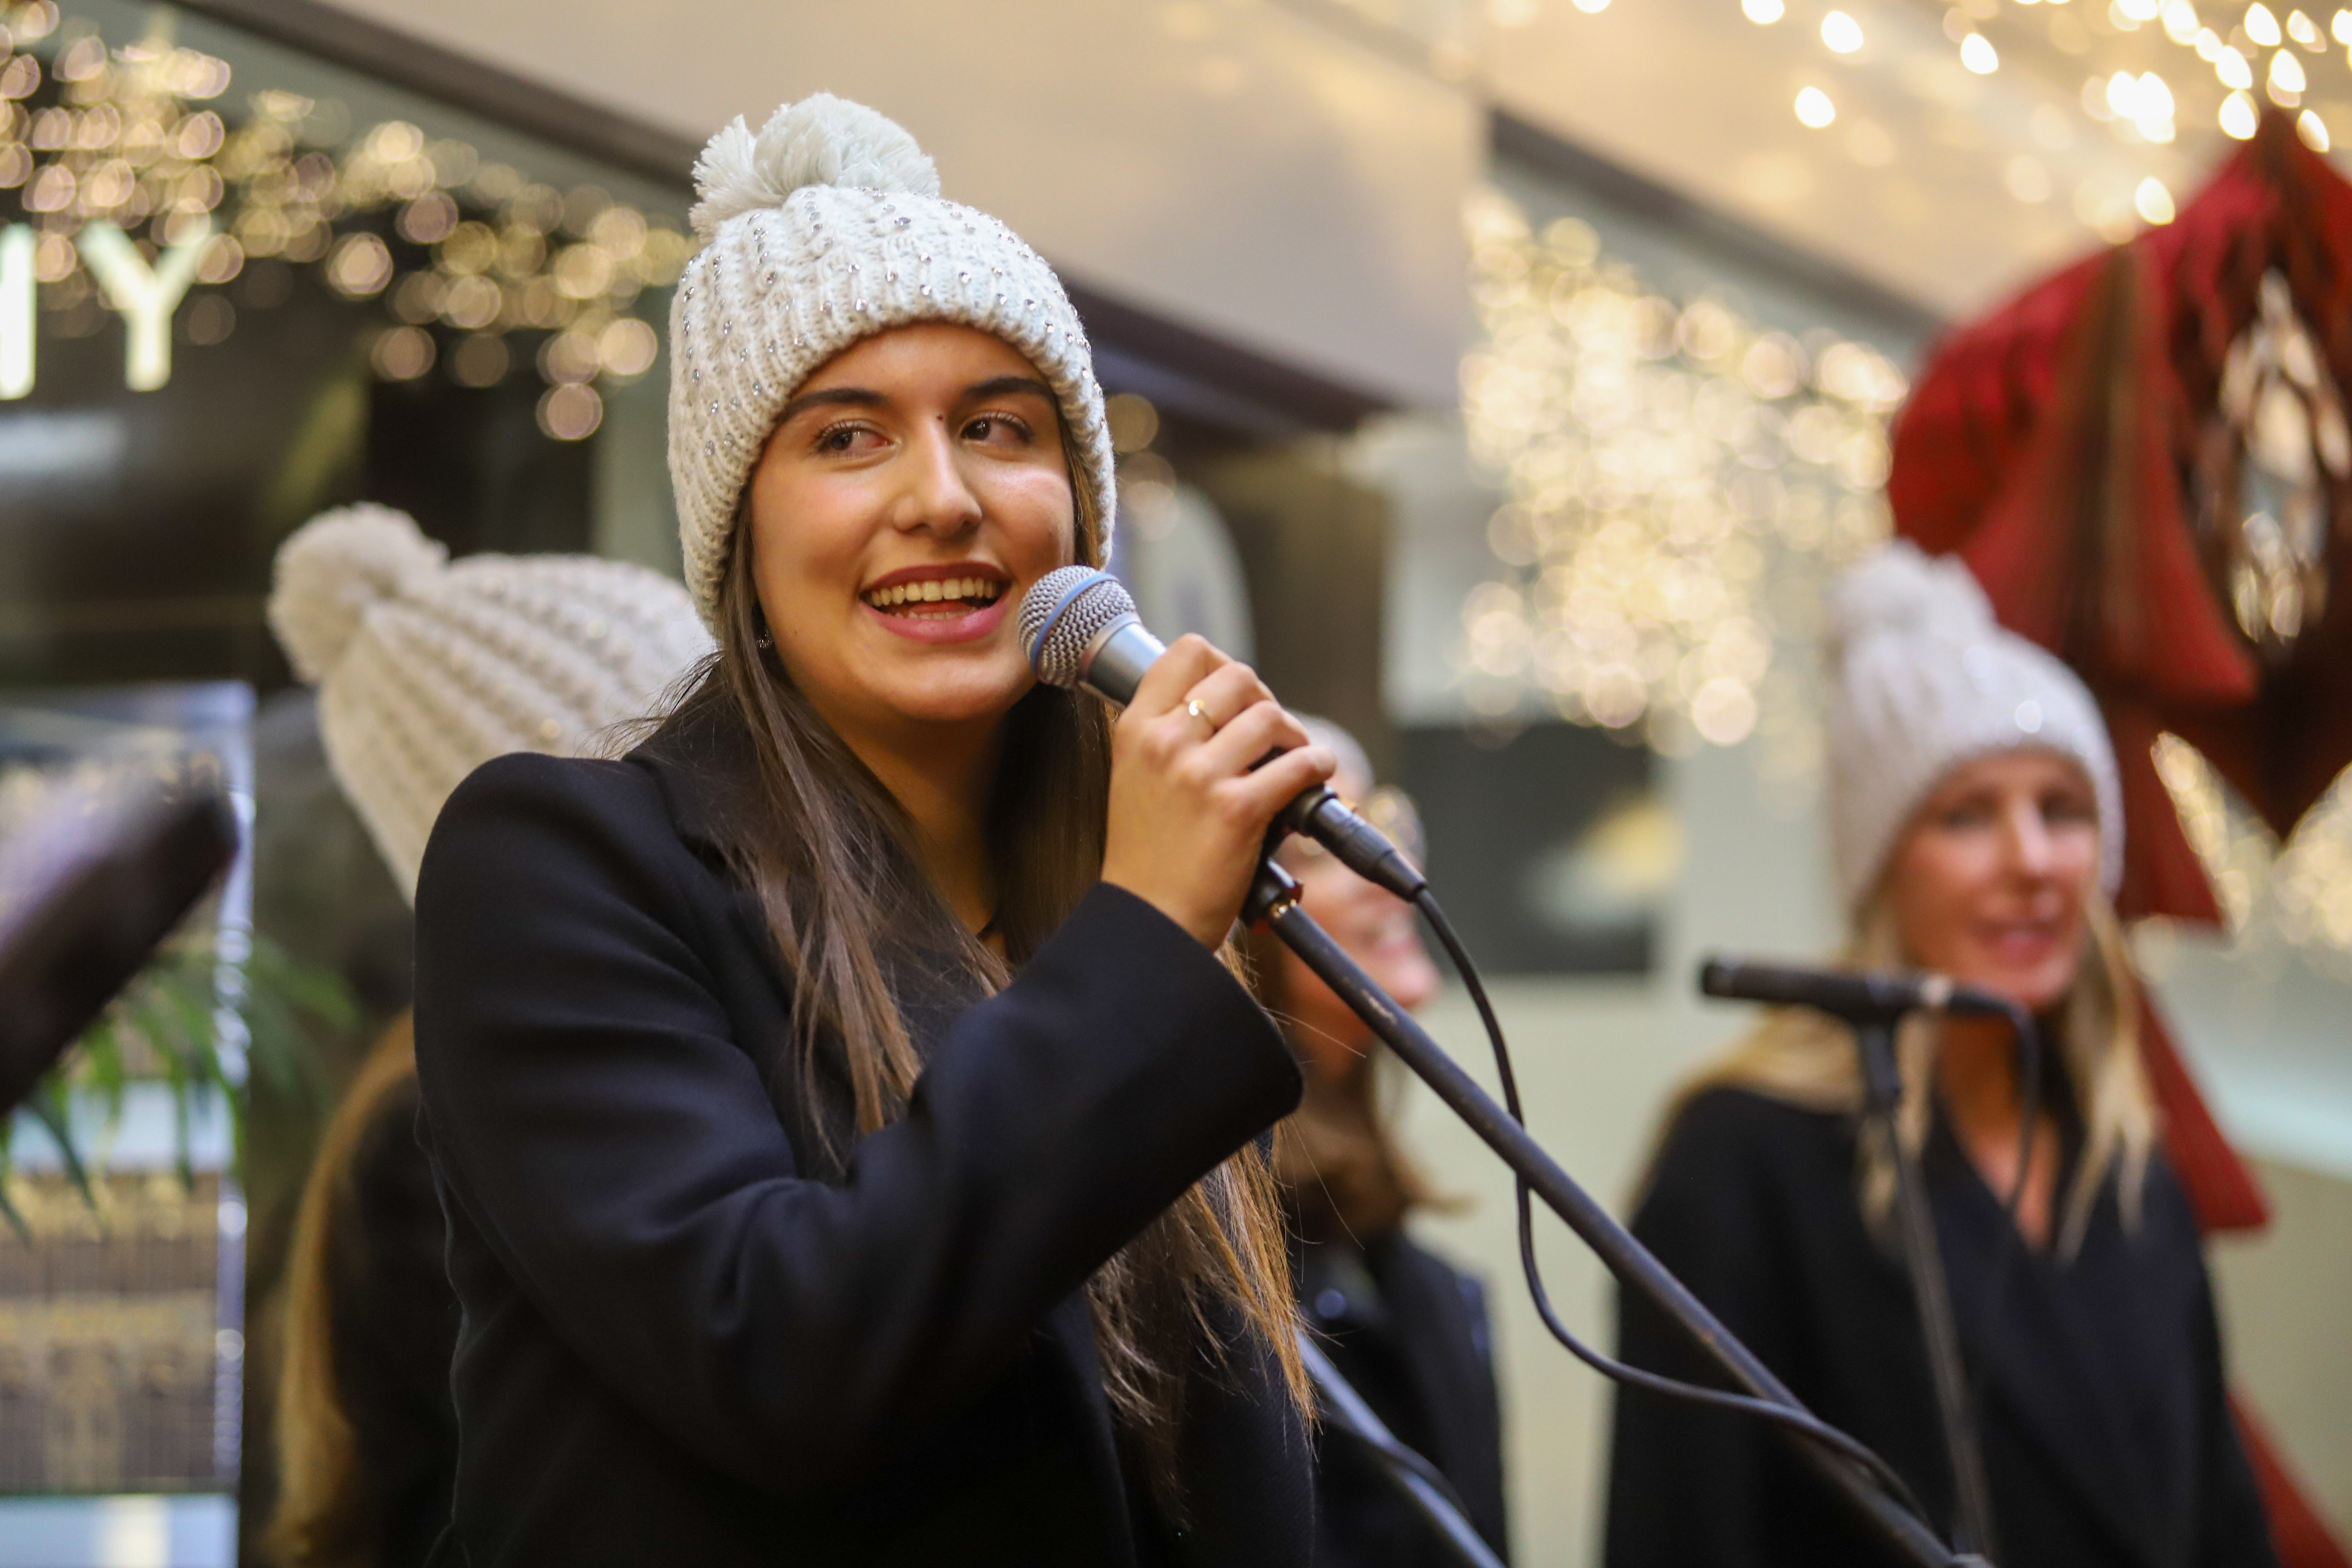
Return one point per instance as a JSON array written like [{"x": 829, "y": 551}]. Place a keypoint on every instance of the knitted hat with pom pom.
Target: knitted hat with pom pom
[
  {"x": 1922, "y": 679},
  {"x": 824, "y": 229},
  {"x": 427, "y": 670}
]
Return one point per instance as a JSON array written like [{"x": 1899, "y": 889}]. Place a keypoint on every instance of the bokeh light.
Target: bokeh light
[
  {"x": 459, "y": 253},
  {"x": 1672, "y": 473}
]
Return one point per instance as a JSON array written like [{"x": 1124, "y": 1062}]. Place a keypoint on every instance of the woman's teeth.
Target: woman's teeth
[{"x": 956, "y": 596}]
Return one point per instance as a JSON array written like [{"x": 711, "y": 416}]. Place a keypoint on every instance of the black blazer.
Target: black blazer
[
  {"x": 2106, "y": 1436},
  {"x": 1409, "y": 1332},
  {"x": 690, "y": 1338}
]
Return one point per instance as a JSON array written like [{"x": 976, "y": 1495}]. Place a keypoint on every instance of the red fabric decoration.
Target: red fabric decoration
[
  {"x": 2297, "y": 1532},
  {"x": 2053, "y": 446}
]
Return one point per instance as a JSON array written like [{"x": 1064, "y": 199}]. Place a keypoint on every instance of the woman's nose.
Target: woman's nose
[
  {"x": 937, "y": 497},
  {"x": 2029, "y": 841}
]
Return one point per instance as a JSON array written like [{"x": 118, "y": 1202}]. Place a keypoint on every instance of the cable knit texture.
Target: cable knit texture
[
  {"x": 825, "y": 228},
  {"x": 1922, "y": 679},
  {"x": 427, "y": 669}
]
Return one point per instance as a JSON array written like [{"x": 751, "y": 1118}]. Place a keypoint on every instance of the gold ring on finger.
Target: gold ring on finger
[{"x": 1193, "y": 707}]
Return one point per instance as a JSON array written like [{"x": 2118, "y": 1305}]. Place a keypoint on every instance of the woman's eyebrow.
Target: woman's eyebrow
[
  {"x": 846, "y": 396},
  {"x": 999, "y": 386}
]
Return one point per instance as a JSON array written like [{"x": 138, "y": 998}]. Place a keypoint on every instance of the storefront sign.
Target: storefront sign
[
  {"x": 144, "y": 293},
  {"x": 120, "y": 186}
]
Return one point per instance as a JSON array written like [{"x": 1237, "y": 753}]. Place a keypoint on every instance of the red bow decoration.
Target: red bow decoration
[{"x": 2056, "y": 447}]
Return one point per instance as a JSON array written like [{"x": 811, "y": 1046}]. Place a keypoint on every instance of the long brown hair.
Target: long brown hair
[
  {"x": 831, "y": 856},
  {"x": 328, "y": 1515}
]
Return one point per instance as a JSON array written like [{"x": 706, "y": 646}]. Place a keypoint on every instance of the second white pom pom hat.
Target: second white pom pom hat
[
  {"x": 825, "y": 228},
  {"x": 1924, "y": 678},
  {"x": 427, "y": 670}
]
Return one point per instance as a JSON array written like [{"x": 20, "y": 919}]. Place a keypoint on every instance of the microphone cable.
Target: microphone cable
[{"x": 1803, "y": 1423}]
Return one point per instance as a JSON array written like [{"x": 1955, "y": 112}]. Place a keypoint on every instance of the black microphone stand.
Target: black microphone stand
[
  {"x": 1882, "y": 1088},
  {"x": 1274, "y": 900}
]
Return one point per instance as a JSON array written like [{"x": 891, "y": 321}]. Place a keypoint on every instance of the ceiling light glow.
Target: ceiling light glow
[
  {"x": 2180, "y": 23},
  {"x": 1763, "y": 13},
  {"x": 1842, "y": 33},
  {"x": 2286, "y": 74},
  {"x": 2153, "y": 202},
  {"x": 1814, "y": 107},
  {"x": 2231, "y": 68},
  {"x": 2239, "y": 116},
  {"x": 1870, "y": 145},
  {"x": 1977, "y": 54},
  {"x": 2026, "y": 178},
  {"x": 2314, "y": 132}
]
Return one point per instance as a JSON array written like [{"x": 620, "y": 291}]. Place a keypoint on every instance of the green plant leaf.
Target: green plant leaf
[
  {"x": 47, "y": 1104},
  {"x": 165, "y": 1028}
]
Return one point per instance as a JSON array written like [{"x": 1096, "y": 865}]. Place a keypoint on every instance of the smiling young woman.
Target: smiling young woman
[
  {"x": 847, "y": 1128},
  {"x": 1978, "y": 831}
]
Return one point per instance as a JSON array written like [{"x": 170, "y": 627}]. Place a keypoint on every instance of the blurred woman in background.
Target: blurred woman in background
[
  {"x": 1979, "y": 833},
  {"x": 1407, "y": 1329},
  {"x": 425, "y": 671}
]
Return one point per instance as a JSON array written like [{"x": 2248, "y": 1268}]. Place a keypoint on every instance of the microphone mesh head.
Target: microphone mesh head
[{"x": 1099, "y": 603}]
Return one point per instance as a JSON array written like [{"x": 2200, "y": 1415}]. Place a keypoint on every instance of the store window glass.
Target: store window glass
[{"x": 237, "y": 285}]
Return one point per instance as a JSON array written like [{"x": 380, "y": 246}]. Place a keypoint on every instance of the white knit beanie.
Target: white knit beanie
[
  {"x": 824, "y": 229},
  {"x": 1924, "y": 678},
  {"x": 427, "y": 670}
]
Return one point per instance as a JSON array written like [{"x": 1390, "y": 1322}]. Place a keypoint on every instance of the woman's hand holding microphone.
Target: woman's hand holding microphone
[{"x": 1190, "y": 806}]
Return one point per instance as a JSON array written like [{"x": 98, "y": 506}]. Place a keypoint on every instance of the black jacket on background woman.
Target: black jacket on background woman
[
  {"x": 2106, "y": 1436},
  {"x": 394, "y": 1324},
  {"x": 1409, "y": 1332},
  {"x": 689, "y": 1336}
]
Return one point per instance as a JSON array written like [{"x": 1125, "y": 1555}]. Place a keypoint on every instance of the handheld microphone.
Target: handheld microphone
[
  {"x": 1079, "y": 627},
  {"x": 1858, "y": 997}
]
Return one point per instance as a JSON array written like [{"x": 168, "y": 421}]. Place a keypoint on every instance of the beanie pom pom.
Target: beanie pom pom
[
  {"x": 820, "y": 141},
  {"x": 1900, "y": 589},
  {"x": 335, "y": 568}
]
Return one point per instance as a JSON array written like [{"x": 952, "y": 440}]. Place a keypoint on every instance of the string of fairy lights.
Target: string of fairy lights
[
  {"x": 479, "y": 271},
  {"x": 2125, "y": 66},
  {"x": 2295, "y": 896},
  {"x": 2262, "y": 56},
  {"x": 1678, "y": 481}
]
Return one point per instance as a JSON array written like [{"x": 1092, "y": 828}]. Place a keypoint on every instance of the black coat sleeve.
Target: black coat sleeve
[
  {"x": 619, "y": 1152},
  {"x": 1686, "y": 1483}
]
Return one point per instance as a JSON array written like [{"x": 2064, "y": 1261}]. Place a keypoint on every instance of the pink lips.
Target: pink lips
[{"x": 2023, "y": 942}]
